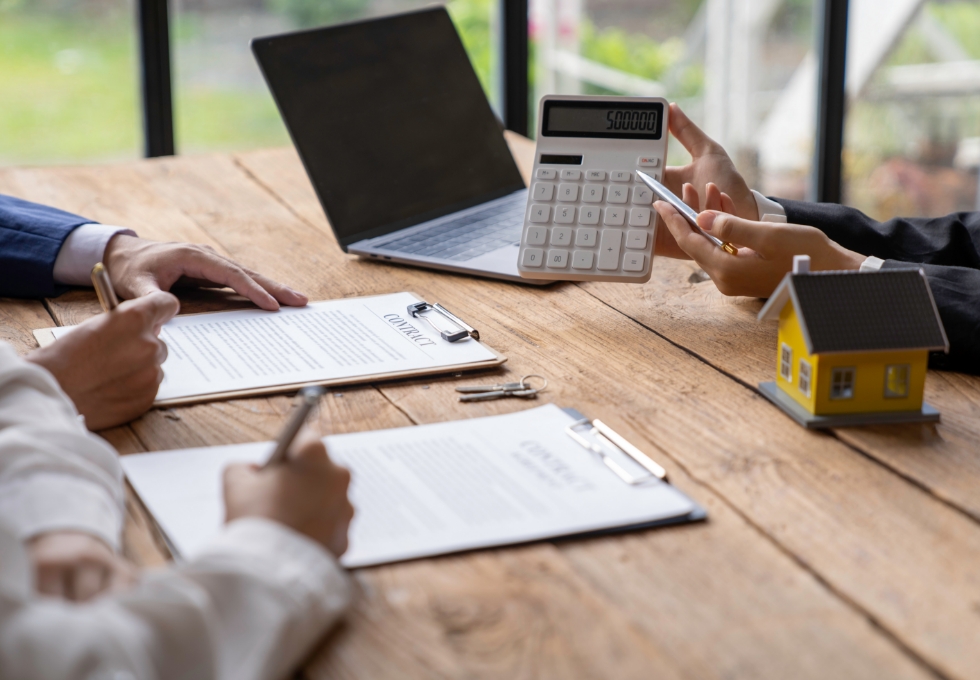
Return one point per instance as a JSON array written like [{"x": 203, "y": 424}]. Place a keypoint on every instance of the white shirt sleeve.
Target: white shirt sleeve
[
  {"x": 770, "y": 211},
  {"x": 249, "y": 608},
  {"x": 54, "y": 474},
  {"x": 81, "y": 251}
]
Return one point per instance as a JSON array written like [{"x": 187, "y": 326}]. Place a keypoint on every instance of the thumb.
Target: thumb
[
  {"x": 156, "y": 308},
  {"x": 731, "y": 229}
]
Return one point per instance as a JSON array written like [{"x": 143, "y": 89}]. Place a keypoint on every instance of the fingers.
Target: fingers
[
  {"x": 212, "y": 267},
  {"x": 756, "y": 235},
  {"x": 86, "y": 581},
  {"x": 700, "y": 249},
  {"x": 688, "y": 134},
  {"x": 690, "y": 196},
  {"x": 51, "y": 581},
  {"x": 156, "y": 308},
  {"x": 307, "y": 447},
  {"x": 281, "y": 292},
  {"x": 727, "y": 204},
  {"x": 712, "y": 197}
]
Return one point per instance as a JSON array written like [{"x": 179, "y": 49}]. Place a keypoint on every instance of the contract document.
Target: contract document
[
  {"x": 253, "y": 351},
  {"x": 431, "y": 489}
]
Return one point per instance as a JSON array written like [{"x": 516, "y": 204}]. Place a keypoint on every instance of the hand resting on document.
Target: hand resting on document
[
  {"x": 307, "y": 492},
  {"x": 137, "y": 267}
]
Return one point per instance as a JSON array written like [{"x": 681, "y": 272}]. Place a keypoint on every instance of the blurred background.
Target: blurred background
[{"x": 744, "y": 69}]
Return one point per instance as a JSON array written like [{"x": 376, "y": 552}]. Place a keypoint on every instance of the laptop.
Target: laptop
[{"x": 405, "y": 154}]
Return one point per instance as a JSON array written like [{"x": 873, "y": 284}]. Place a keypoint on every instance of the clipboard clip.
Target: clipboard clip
[
  {"x": 462, "y": 329},
  {"x": 603, "y": 434}
]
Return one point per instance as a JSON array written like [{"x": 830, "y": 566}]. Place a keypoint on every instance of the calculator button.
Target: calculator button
[
  {"x": 618, "y": 194},
  {"x": 536, "y": 236},
  {"x": 544, "y": 191},
  {"x": 561, "y": 236},
  {"x": 655, "y": 175},
  {"x": 546, "y": 173},
  {"x": 609, "y": 248},
  {"x": 595, "y": 175},
  {"x": 540, "y": 214},
  {"x": 564, "y": 214},
  {"x": 586, "y": 237},
  {"x": 640, "y": 217},
  {"x": 532, "y": 257},
  {"x": 571, "y": 174},
  {"x": 633, "y": 262},
  {"x": 582, "y": 259},
  {"x": 635, "y": 239},
  {"x": 587, "y": 215},
  {"x": 648, "y": 161},
  {"x": 568, "y": 193},
  {"x": 620, "y": 176},
  {"x": 592, "y": 193},
  {"x": 615, "y": 217},
  {"x": 558, "y": 259},
  {"x": 642, "y": 195}
]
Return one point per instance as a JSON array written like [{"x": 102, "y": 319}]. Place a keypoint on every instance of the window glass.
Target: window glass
[
  {"x": 68, "y": 81},
  {"x": 805, "y": 377},
  {"x": 842, "y": 383},
  {"x": 221, "y": 100},
  {"x": 897, "y": 380},
  {"x": 912, "y": 137},
  {"x": 743, "y": 69}
]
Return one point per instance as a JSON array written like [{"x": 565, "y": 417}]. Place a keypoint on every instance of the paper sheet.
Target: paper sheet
[
  {"x": 428, "y": 490},
  {"x": 335, "y": 339}
]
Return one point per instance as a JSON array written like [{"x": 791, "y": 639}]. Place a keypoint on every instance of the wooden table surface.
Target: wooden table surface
[{"x": 848, "y": 554}]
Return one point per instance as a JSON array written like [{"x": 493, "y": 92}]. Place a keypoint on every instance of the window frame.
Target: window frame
[
  {"x": 805, "y": 377},
  {"x": 786, "y": 362},
  {"x": 839, "y": 372}
]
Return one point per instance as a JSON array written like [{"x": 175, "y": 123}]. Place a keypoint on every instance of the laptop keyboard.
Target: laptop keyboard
[{"x": 469, "y": 236}]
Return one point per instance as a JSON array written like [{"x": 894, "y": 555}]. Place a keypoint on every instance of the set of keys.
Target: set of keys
[{"x": 522, "y": 389}]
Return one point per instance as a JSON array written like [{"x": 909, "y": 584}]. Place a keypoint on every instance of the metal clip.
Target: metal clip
[
  {"x": 512, "y": 389},
  {"x": 463, "y": 330},
  {"x": 604, "y": 434}
]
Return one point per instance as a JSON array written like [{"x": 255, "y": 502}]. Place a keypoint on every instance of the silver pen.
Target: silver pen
[{"x": 308, "y": 398}]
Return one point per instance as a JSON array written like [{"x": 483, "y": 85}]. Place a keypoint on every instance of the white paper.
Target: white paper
[
  {"x": 331, "y": 340},
  {"x": 428, "y": 490}
]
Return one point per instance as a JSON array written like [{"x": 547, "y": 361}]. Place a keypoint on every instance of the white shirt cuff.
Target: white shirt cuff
[
  {"x": 53, "y": 501},
  {"x": 282, "y": 556},
  {"x": 82, "y": 250},
  {"x": 769, "y": 210},
  {"x": 872, "y": 264}
]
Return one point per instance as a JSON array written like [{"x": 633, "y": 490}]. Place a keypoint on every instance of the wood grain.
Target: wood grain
[{"x": 817, "y": 561}]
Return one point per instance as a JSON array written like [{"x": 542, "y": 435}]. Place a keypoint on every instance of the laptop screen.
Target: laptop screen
[{"x": 390, "y": 121}]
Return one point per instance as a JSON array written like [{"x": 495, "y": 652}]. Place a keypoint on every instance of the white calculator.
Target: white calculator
[{"x": 589, "y": 217}]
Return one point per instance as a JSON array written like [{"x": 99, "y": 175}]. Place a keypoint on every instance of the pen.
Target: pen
[
  {"x": 103, "y": 288},
  {"x": 665, "y": 194},
  {"x": 308, "y": 398}
]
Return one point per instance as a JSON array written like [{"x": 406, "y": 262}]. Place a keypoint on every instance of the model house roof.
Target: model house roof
[{"x": 861, "y": 311}]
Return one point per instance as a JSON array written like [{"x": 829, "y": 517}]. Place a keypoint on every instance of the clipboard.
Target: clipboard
[{"x": 457, "y": 330}]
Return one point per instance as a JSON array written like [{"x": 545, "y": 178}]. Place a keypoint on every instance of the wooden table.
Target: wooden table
[{"x": 848, "y": 554}]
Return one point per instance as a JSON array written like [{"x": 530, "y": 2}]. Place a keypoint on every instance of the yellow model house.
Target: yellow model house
[{"x": 853, "y": 346}]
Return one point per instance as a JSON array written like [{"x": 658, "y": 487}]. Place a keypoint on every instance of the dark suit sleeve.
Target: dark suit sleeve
[
  {"x": 31, "y": 236},
  {"x": 946, "y": 248}
]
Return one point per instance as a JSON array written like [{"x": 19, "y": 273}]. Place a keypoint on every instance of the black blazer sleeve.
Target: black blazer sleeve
[
  {"x": 946, "y": 248},
  {"x": 31, "y": 236}
]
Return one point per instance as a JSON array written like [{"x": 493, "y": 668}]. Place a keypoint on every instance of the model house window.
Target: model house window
[
  {"x": 897, "y": 381},
  {"x": 805, "y": 377},
  {"x": 842, "y": 383},
  {"x": 786, "y": 362}
]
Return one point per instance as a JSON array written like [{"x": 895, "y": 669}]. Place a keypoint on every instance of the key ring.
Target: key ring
[{"x": 526, "y": 386}]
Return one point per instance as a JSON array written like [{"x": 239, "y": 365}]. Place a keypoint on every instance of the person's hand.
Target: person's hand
[
  {"x": 138, "y": 267},
  {"x": 709, "y": 164},
  {"x": 77, "y": 566},
  {"x": 110, "y": 365},
  {"x": 765, "y": 253},
  {"x": 307, "y": 492}
]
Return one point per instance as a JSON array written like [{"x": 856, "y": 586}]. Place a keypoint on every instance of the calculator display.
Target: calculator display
[{"x": 602, "y": 119}]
